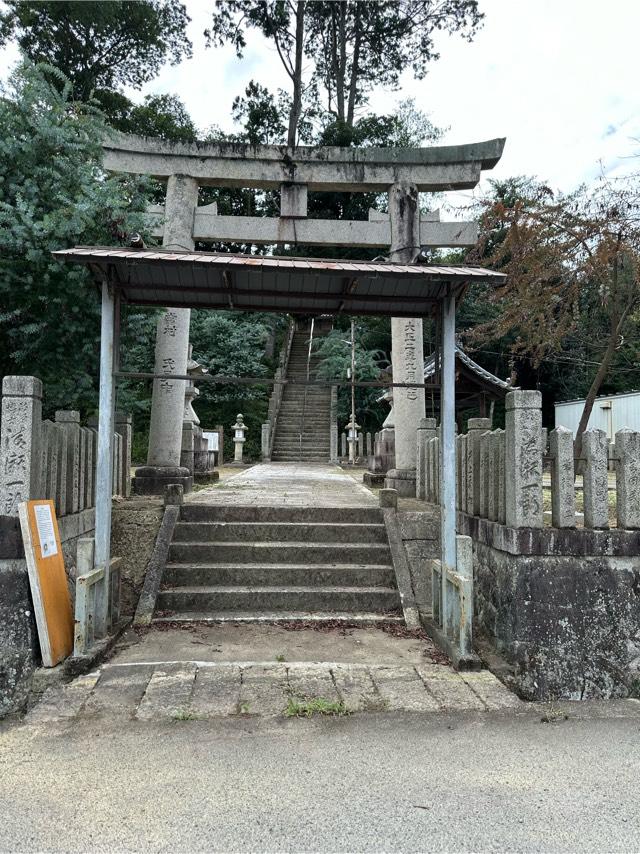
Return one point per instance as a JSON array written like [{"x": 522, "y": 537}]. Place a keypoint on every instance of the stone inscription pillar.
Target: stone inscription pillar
[
  {"x": 407, "y": 356},
  {"x": 20, "y": 480},
  {"x": 172, "y": 347},
  {"x": 523, "y": 459}
]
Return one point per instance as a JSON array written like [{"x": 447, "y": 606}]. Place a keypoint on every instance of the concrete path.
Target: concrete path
[
  {"x": 489, "y": 781},
  {"x": 288, "y": 485},
  {"x": 196, "y": 690},
  {"x": 220, "y": 671}
]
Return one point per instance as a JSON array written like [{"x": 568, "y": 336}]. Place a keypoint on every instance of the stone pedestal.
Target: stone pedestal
[
  {"x": 407, "y": 357},
  {"x": 383, "y": 458},
  {"x": 172, "y": 347}
]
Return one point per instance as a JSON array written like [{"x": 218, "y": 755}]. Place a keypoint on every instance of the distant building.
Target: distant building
[{"x": 610, "y": 413}]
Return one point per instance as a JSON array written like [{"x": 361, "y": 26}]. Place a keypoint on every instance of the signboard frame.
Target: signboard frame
[{"x": 47, "y": 579}]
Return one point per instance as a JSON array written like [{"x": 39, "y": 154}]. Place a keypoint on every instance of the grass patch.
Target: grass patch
[
  {"x": 280, "y": 658},
  {"x": 185, "y": 715},
  {"x": 317, "y": 706}
]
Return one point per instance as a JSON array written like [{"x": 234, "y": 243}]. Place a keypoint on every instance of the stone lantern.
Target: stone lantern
[
  {"x": 352, "y": 438},
  {"x": 239, "y": 430}
]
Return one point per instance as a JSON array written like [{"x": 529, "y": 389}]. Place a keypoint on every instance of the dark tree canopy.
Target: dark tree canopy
[
  {"x": 99, "y": 46},
  {"x": 162, "y": 116}
]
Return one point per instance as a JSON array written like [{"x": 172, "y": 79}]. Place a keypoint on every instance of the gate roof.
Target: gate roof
[{"x": 279, "y": 284}]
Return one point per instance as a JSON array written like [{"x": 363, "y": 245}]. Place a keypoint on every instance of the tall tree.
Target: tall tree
[
  {"x": 99, "y": 47},
  {"x": 350, "y": 45},
  {"x": 53, "y": 194},
  {"x": 573, "y": 265},
  {"x": 280, "y": 21},
  {"x": 356, "y": 45}
]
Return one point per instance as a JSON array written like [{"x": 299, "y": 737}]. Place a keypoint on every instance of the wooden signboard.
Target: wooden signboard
[{"x": 48, "y": 580}]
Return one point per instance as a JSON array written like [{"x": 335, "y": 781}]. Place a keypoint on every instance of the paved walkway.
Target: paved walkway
[
  {"x": 288, "y": 485},
  {"x": 197, "y": 690}
]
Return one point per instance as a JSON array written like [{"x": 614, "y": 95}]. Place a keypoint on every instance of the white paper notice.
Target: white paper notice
[{"x": 46, "y": 532}]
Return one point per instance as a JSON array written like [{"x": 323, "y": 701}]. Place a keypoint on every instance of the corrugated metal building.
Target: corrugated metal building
[{"x": 610, "y": 413}]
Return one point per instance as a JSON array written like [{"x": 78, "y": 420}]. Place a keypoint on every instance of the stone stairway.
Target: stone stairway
[
  {"x": 303, "y": 427},
  {"x": 248, "y": 563}
]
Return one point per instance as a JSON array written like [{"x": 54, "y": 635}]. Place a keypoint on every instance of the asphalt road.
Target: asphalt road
[{"x": 474, "y": 782}]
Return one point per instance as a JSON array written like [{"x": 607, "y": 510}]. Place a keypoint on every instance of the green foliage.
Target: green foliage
[
  {"x": 259, "y": 114},
  {"x": 307, "y": 708},
  {"x": 53, "y": 195},
  {"x": 162, "y": 116},
  {"x": 99, "y": 46},
  {"x": 233, "y": 344},
  {"x": 334, "y": 351}
]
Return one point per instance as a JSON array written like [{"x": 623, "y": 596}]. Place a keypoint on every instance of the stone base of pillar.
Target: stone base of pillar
[
  {"x": 402, "y": 480},
  {"x": 151, "y": 480},
  {"x": 206, "y": 476},
  {"x": 373, "y": 480}
]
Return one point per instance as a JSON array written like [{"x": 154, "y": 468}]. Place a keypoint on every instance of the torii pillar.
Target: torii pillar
[
  {"x": 172, "y": 350},
  {"x": 407, "y": 357}
]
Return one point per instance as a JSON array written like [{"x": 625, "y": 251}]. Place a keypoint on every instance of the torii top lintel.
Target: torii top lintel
[{"x": 433, "y": 169}]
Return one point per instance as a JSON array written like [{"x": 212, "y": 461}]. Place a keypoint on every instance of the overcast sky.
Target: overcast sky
[{"x": 559, "y": 79}]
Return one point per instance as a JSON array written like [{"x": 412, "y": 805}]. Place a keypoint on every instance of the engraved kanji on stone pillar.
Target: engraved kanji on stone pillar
[
  {"x": 20, "y": 443},
  {"x": 563, "y": 501},
  {"x": 406, "y": 343},
  {"x": 523, "y": 460},
  {"x": 172, "y": 346},
  {"x": 628, "y": 478},
  {"x": 595, "y": 480}
]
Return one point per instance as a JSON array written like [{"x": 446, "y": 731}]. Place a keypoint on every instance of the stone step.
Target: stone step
[
  {"x": 293, "y": 420},
  {"x": 295, "y": 425},
  {"x": 320, "y": 448},
  {"x": 295, "y": 457},
  {"x": 293, "y": 433},
  {"x": 379, "y": 600},
  {"x": 219, "y": 513},
  {"x": 346, "y": 618},
  {"x": 285, "y": 574},
  {"x": 279, "y": 552},
  {"x": 302, "y": 532}
]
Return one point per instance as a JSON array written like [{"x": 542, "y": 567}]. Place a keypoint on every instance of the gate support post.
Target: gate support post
[
  {"x": 104, "y": 468},
  {"x": 448, "y": 452}
]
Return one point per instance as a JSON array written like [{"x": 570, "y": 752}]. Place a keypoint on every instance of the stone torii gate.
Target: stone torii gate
[{"x": 401, "y": 173}]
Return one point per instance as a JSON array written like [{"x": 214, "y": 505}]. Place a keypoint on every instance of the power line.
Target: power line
[{"x": 556, "y": 359}]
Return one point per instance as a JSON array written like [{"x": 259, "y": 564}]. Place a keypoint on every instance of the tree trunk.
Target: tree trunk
[
  {"x": 355, "y": 69},
  {"x": 296, "y": 103},
  {"x": 601, "y": 375}
]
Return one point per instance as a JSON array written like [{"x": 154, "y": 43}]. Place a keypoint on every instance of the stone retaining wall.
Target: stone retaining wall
[{"x": 562, "y": 607}]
